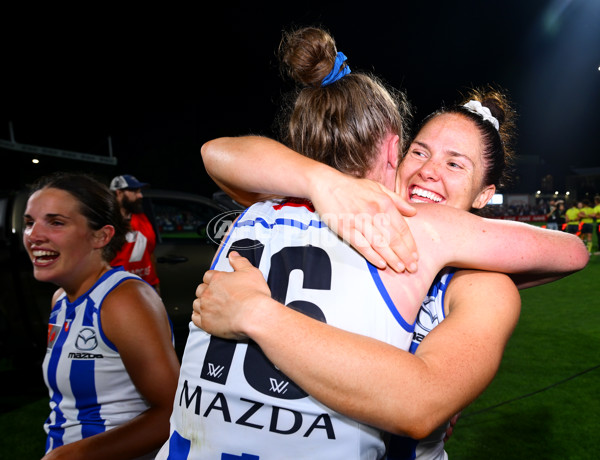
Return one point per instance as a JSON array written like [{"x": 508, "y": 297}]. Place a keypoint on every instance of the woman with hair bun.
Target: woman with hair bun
[{"x": 230, "y": 400}]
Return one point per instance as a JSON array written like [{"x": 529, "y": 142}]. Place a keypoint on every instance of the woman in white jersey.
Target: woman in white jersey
[
  {"x": 110, "y": 365},
  {"x": 457, "y": 158},
  {"x": 197, "y": 395}
]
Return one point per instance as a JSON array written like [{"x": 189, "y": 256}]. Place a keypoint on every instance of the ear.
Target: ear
[
  {"x": 103, "y": 236},
  {"x": 484, "y": 196},
  {"x": 392, "y": 145},
  {"x": 392, "y": 152}
]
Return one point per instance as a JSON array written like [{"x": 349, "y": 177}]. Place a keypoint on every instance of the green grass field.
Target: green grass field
[
  {"x": 543, "y": 404},
  {"x": 545, "y": 401}
]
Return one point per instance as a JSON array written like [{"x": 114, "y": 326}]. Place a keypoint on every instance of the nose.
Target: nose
[
  {"x": 430, "y": 170},
  {"x": 34, "y": 233}
]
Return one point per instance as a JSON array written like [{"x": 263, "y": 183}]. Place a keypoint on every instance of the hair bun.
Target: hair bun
[{"x": 307, "y": 55}]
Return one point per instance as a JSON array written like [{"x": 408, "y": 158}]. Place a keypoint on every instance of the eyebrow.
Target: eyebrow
[
  {"x": 49, "y": 215},
  {"x": 452, "y": 153}
]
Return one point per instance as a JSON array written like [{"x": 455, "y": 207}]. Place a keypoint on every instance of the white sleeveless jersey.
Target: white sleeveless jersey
[
  {"x": 231, "y": 402},
  {"x": 431, "y": 314},
  {"x": 90, "y": 389}
]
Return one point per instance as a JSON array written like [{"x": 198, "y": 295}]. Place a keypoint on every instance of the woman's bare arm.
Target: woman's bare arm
[
  {"x": 150, "y": 360},
  {"x": 398, "y": 392},
  {"x": 252, "y": 168},
  {"x": 238, "y": 305},
  {"x": 468, "y": 241}
]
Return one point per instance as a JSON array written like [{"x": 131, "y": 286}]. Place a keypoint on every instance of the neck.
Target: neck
[{"x": 73, "y": 293}]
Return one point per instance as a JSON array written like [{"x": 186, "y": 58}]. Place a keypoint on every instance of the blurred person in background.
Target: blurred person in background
[
  {"x": 137, "y": 254},
  {"x": 573, "y": 217},
  {"x": 597, "y": 219},
  {"x": 586, "y": 213},
  {"x": 555, "y": 216}
]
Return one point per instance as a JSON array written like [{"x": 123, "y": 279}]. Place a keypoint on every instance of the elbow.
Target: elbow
[
  {"x": 418, "y": 426},
  {"x": 418, "y": 430},
  {"x": 575, "y": 254},
  {"x": 581, "y": 256},
  {"x": 208, "y": 152}
]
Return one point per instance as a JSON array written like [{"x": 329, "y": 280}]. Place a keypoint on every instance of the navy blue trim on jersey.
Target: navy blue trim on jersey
[
  {"x": 179, "y": 447},
  {"x": 437, "y": 285},
  {"x": 388, "y": 300},
  {"x": 83, "y": 377},
  {"x": 260, "y": 221},
  {"x": 282, "y": 221}
]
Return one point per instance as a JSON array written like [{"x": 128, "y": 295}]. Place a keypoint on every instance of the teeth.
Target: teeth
[
  {"x": 39, "y": 253},
  {"x": 426, "y": 194}
]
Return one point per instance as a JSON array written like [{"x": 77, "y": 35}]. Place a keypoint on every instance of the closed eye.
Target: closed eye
[{"x": 418, "y": 153}]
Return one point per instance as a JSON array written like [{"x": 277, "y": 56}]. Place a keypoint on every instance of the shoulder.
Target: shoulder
[
  {"x": 133, "y": 312},
  {"x": 467, "y": 286},
  {"x": 476, "y": 279},
  {"x": 483, "y": 305},
  {"x": 133, "y": 291},
  {"x": 132, "y": 299}
]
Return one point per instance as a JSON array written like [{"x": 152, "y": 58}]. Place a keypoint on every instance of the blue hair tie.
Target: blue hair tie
[{"x": 335, "y": 73}]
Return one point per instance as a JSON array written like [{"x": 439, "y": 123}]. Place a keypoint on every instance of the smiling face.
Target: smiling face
[
  {"x": 445, "y": 165},
  {"x": 62, "y": 247}
]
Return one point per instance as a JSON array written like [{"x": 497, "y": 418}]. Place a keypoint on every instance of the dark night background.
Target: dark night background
[{"x": 162, "y": 81}]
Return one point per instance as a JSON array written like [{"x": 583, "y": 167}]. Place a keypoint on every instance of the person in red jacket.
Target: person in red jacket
[{"x": 137, "y": 254}]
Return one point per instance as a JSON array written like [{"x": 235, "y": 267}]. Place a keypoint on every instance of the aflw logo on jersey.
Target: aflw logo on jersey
[
  {"x": 215, "y": 370},
  {"x": 279, "y": 387}
]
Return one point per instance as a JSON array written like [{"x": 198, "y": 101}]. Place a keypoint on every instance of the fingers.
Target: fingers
[
  {"x": 208, "y": 276},
  {"x": 372, "y": 241},
  {"x": 201, "y": 288},
  {"x": 401, "y": 241},
  {"x": 359, "y": 242},
  {"x": 405, "y": 208},
  {"x": 197, "y": 313},
  {"x": 450, "y": 429},
  {"x": 238, "y": 262},
  {"x": 389, "y": 239}
]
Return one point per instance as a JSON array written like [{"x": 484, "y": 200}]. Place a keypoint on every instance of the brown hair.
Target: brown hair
[{"x": 344, "y": 123}]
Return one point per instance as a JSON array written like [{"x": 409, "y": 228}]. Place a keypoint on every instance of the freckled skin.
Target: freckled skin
[{"x": 445, "y": 158}]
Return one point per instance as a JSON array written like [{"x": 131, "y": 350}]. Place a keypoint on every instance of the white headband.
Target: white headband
[{"x": 483, "y": 112}]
